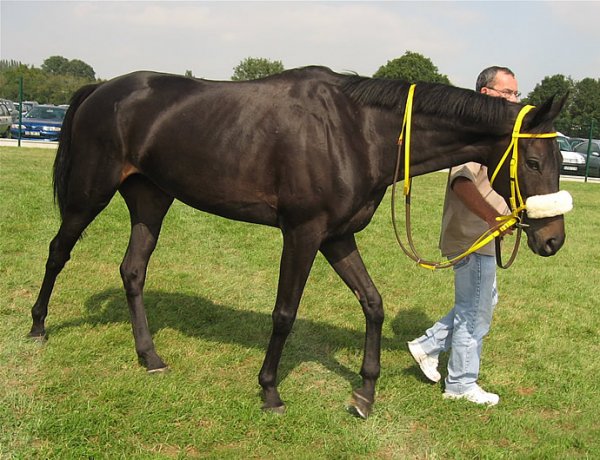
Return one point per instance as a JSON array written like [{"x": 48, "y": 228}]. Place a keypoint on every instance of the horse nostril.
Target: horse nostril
[{"x": 553, "y": 245}]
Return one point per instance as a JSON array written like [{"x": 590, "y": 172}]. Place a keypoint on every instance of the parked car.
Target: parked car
[
  {"x": 575, "y": 141},
  {"x": 42, "y": 122},
  {"x": 574, "y": 161},
  {"x": 582, "y": 147},
  {"x": 5, "y": 120},
  {"x": 10, "y": 105}
]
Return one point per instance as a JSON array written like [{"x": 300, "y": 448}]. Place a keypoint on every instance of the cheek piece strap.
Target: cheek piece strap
[{"x": 538, "y": 206}]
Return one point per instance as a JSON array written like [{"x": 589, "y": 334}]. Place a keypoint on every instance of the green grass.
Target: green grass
[{"x": 209, "y": 295}]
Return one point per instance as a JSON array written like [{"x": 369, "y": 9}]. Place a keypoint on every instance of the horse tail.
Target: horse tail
[{"x": 62, "y": 162}]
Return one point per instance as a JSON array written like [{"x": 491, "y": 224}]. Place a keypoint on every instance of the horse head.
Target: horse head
[{"x": 530, "y": 177}]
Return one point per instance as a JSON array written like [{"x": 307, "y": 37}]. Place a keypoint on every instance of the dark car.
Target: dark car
[
  {"x": 574, "y": 160},
  {"x": 574, "y": 163},
  {"x": 582, "y": 147},
  {"x": 42, "y": 122}
]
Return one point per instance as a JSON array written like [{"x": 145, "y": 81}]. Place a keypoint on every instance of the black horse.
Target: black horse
[{"x": 308, "y": 151}]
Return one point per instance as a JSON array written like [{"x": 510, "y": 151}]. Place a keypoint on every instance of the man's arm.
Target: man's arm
[{"x": 472, "y": 199}]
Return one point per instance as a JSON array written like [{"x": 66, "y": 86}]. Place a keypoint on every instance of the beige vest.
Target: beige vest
[{"x": 460, "y": 227}]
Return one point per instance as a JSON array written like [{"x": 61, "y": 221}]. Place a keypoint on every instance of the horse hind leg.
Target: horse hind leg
[
  {"x": 147, "y": 207},
  {"x": 344, "y": 257},
  {"x": 76, "y": 217}
]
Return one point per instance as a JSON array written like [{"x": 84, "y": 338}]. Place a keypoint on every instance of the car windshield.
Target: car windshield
[
  {"x": 563, "y": 144},
  {"x": 47, "y": 113},
  {"x": 583, "y": 147}
]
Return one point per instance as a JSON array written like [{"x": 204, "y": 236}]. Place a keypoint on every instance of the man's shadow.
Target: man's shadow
[{"x": 197, "y": 316}]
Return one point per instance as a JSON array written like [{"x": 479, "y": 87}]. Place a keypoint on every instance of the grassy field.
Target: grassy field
[{"x": 209, "y": 296}]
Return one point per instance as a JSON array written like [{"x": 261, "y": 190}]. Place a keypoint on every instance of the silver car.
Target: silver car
[{"x": 5, "y": 120}]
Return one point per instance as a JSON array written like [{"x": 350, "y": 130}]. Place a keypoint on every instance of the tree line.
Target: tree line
[
  {"x": 58, "y": 78},
  {"x": 53, "y": 83}
]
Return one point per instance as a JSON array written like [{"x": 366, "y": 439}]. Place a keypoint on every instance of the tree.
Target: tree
[
  {"x": 548, "y": 87},
  {"x": 585, "y": 105},
  {"x": 39, "y": 85},
  {"x": 582, "y": 106},
  {"x": 556, "y": 85},
  {"x": 253, "y": 68},
  {"x": 412, "y": 67},
  {"x": 58, "y": 65},
  {"x": 33, "y": 80},
  {"x": 55, "y": 65},
  {"x": 8, "y": 64},
  {"x": 79, "y": 69}
]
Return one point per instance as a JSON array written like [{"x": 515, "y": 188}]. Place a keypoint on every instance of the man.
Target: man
[{"x": 470, "y": 208}]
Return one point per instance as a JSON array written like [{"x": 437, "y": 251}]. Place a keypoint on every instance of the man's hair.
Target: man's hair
[{"x": 487, "y": 76}]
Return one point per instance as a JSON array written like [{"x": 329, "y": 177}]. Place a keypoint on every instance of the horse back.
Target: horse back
[{"x": 246, "y": 150}]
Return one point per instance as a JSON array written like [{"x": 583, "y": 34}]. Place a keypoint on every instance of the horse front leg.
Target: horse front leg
[
  {"x": 147, "y": 207},
  {"x": 297, "y": 258},
  {"x": 344, "y": 257}
]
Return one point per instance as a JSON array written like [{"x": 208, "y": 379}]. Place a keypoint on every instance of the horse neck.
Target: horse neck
[
  {"x": 478, "y": 131},
  {"x": 437, "y": 144}
]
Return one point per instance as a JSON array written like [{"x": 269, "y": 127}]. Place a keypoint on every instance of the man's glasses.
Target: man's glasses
[{"x": 506, "y": 92}]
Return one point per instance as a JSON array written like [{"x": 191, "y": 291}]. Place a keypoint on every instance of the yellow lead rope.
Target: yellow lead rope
[{"x": 504, "y": 222}]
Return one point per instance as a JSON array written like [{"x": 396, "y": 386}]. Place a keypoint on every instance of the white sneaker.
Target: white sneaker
[
  {"x": 427, "y": 363},
  {"x": 477, "y": 395}
]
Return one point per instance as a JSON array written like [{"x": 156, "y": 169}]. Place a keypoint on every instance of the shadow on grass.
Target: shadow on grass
[{"x": 196, "y": 316}]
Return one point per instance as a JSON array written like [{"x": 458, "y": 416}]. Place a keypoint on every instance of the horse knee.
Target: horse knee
[
  {"x": 57, "y": 257},
  {"x": 133, "y": 278},
  {"x": 372, "y": 305},
  {"x": 283, "y": 321}
]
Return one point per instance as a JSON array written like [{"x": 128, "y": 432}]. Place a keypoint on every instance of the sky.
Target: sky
[{"x": 535, "y": 39}]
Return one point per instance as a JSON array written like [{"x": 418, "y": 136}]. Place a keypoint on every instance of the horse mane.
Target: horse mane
[{"x": 434, "y": 99}]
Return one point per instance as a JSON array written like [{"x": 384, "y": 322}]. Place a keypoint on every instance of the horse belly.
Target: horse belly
[
  {"x": 213, "y": 187},
  {"x": 248, "y": 211}
]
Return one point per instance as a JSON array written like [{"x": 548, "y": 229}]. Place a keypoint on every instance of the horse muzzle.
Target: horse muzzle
[{"x": 544, "y": 224}]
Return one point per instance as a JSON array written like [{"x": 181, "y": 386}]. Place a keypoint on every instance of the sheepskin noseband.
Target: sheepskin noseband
[{"x": 553, "y": 204}]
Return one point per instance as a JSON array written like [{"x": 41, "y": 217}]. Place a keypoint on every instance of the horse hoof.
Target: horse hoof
[
  {"x": 160, "y": 370},
  {"x": 360, "y": 406},
  {"x": 37, "y": 338},
  {"x": 280, "y": 410}
]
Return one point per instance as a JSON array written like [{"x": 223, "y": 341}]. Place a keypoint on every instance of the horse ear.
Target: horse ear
[{"x": 548, "y": 111}]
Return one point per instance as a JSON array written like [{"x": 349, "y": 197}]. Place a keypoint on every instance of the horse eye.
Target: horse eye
[{"x": 532, "y": 164}]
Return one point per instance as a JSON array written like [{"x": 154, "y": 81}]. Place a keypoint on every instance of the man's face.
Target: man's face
[{"x": 505, "y": 86}]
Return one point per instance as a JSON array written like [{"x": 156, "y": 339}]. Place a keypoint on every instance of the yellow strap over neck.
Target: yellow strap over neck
[{"x": 405, "y": 137}]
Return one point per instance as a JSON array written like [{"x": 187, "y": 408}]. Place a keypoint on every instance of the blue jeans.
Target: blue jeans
[{"x": 462, "y": 330}]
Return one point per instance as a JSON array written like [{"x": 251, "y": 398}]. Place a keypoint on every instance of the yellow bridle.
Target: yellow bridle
[
  {"x": 504, "y": 222},
  {"x": 516, "y": 200}
]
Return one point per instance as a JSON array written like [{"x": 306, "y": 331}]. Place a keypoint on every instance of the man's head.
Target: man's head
[{"x": 498, "y": 82}]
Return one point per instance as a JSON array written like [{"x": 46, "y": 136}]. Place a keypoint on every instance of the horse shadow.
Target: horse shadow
[{"x": 196, "y": 316}]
